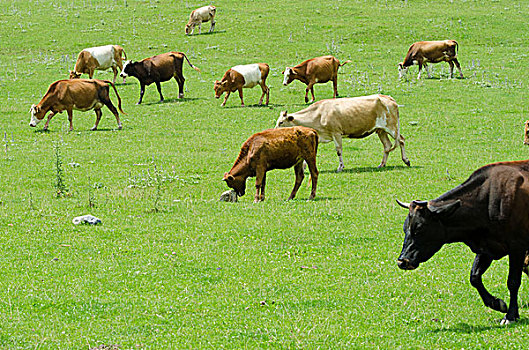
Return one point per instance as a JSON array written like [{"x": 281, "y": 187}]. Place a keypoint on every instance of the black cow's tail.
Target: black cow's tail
[
  {"x": 187, "y": 59},
  {"x": 116, "y": 91}
]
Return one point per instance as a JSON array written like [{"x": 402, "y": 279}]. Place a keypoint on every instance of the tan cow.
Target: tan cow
[
  {"x": 99, "y": 58},
  {"x": 243, "y": 76},
  {"x": 78, "y": 94},
  {"x": 355, "y": 117},
  {"x": 275, "y": 149},
  {"x": 315, "y": 70},
  {"x": 203, "y": 14},
  {"x": 424, "y": 52}
]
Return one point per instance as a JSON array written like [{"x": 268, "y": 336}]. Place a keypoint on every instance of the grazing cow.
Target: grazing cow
[
  {"x": 489, "y": 213},
  {"x": 424, "y": 52},
  {"x": 78, "y": 94},
  {"x": 157, "y": 69},
  {"x": 355, "y": 117},
  {"x": 526, "y": 133},
  {"x": 275, "y": 149},
  {"x": 244, "y": 76},
  {"x": 99, "y": 58},
  {"x": 312, "y": 71},
  {"x": 203, "y": 14}
]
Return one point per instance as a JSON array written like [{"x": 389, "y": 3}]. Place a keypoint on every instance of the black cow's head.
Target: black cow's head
[
  {"x": 424, "y": 231},
  {"x": 128, "y": 69}
]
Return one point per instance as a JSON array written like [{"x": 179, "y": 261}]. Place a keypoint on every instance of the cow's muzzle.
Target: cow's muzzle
[{"x": 405, "y": 264}]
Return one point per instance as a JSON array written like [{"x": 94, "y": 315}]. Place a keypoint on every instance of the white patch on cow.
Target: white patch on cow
[
  {"x": 251, "y": 74},
  {"x": 286, "y": 74},
  {"x": 381, "y": 122},
  {"x": 34, "y": 121},
  {"x": 415, "y": 62},
  {"x": 104, "y": 55},
  {"x": 123, "y": 74}
]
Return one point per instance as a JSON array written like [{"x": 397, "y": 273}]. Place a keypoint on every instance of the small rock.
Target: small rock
[
  {"x": 228, "y": 196},
  {"x": 74, "y": 165},
  {"x": 86, "y": 219}
]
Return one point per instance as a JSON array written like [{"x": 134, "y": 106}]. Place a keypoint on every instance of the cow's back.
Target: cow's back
[
  {"x": 322, "y": 68},
  {"x": 104, "y": 55},
  {"x": 251, "y": 74}
]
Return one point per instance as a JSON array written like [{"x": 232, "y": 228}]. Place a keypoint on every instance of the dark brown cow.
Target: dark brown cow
[
  {"x": 243, "y": 76},
  {"x": 157, "y": 69},
  {"x": 99, "y": 58},
  {"x": 275, "y": 149},
  {"x": 489, "y": 212},
  {"x": 424, "y": 52},
  {"x": 78, "y": 94},
  {"x": 315, "y": 70}
]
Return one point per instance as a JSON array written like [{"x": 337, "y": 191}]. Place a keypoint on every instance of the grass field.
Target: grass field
[{"x": 171, "y": 267}]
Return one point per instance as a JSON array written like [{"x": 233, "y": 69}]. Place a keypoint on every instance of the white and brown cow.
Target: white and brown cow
[
  {"x": 243, "y": 76},
  {"x": 203, "y": 14},
  {"x": 78, "y": 94},
  {"x": 355, "y": 117},
  {"x": 424, "y": 52},
  {"x": 99, "y": 58},
  {"x": 315, "y": 70}
]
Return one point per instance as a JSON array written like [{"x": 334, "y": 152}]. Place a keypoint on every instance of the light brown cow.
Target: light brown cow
[
  {"x": 99, "y": 58},
  {"x": 203, "y": 14},
  {"x": 424, "y": 52},
  {"x": 315, "y": 70},
  {"x": 275, "y": 149},
  {"x": 78, "y": 94},
  {"x": 355, "y": 117},
  {"x": 243, "y": 76}
]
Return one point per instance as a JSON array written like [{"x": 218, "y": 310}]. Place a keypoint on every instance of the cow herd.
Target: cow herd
[{"x": 489, "y": 212}]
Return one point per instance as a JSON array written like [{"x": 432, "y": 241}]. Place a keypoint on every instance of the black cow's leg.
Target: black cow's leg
[
  {"x": 480, "y": 265},
  {"x": 142, "y": 91},
  {"x": 159, "y": 87},
  {"x": 514, "y": 280},
  {"x": 298, "y": 169}
]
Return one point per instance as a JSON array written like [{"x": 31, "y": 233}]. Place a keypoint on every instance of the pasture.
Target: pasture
[{"x": 171, "y": 267}]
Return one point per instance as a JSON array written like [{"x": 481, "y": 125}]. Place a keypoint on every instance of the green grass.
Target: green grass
[{"x": 173, "y": 268}]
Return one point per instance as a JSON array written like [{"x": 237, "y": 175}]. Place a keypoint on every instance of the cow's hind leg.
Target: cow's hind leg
[
  {"x": 402, "y": 151},
  {"x": 266, "y": 91},
  {"x": 335, "y": 87},
  {"x": 98, "y": 118},
  {"x": 451, "y": 69},
  {"x": 112, "y": 108},
  {"x": 388, "y": 146},
  {"x": 427, "y": 67},
  {"x": 480, "y": 265},
  {"x": 212, "y": 28},
  {"x": 159, "y": 87},
  {"x": 115, "y": 70},
  {"x": 458, "y": 68},
  {"x": 240, "y": 95},
  {"x": 337, "y": 138},
  {"x": 180, "y": 81},
  {"x": 311, "y": 162},
  {"x": 298, "y": 169},
  {"x": 516, "y": 260}
]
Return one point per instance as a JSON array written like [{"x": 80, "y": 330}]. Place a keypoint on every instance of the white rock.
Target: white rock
[
  {"x": 228, "y": 196},
  {"x": 86, "y": 219}
]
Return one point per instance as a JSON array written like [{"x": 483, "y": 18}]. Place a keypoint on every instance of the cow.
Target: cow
[
  {"x": 489, "y": 213},
  {"x": 78, "y": 94},
  {"x": 315, "y": 70},
  {"x": 355, "y": 117},
  {"x": 203, "y": 14},
  {"x": 424, "y": 52},
  {"x": 158, "y": 69},
  {"x": 243, "y": 76},
  {"x": 526, "y": 133},
  {"x": 275, "y": 149},
  {"x": 99, "y": 58}
]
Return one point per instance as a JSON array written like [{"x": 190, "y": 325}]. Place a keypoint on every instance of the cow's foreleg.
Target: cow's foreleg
[
  {"x": 225, "y": 98},
  {"x": 337, "y": 138},
  {"x": 516, "y": 260},
  {"x": 159, "y": 87},
  {"x": 260, "y": 181},
  {"x": 298, "y": 170},
  {"x": 212, "y": 28},
  {"x": 142, "y": 91},
  {"x": 240, "y": 95},
  {"x": 458, "y": 68},
  {"x": 48, "y": 121},
  {"x": 388, "y": 146},
  {"x": 98, "y": 118},
  {"x": 70, "y": 118},
  {"x": 480, "y": 265}
]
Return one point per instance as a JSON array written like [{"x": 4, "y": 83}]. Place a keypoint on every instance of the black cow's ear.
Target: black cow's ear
[
  {"x": 290, "y": 118},
  {"x": 445, "y": 209}
]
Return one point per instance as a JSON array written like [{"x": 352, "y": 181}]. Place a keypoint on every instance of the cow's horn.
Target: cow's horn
[{"x": 402, "y": 204}]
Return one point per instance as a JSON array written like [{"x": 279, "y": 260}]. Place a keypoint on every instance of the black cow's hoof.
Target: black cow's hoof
[{"x": 499, "y": 305}]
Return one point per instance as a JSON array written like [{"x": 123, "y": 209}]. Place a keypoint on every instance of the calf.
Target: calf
[
  {"x": 355, "y": 117},
  {"x": 99, "y": 58},
  {"x": 203, "y": 14},
  {"x": 488, "y": 212},
  {"x": 424, "y": 52},
  {"x": 78, "y": 94},
  {"x": 312, "y": 71},
  {"x": 275, "y": 149},
  {"x": 245, "y": 76},
  {"x": 157, "y": 69}
]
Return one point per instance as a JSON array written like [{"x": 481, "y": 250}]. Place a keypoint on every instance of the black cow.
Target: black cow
[
  {"x": 489, "y": 212},
  {"x": 157, "y": 69}
]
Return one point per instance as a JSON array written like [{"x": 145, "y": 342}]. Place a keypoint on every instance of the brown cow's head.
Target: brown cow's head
[
  {"x": 74, "y": 75},
  {"x": 220, "y": 87},
  {"x": 238, "y": 183},
  {"x": 189, "y": 28},
  {"x": 526, "y": 133},
  {"x": 37, "y": 114},
  {"x": 288, "y": 75},
  {"x": 424, "y": 232},
  {"x": 284, "y": 120}
]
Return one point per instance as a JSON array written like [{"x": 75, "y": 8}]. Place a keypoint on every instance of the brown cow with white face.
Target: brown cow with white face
[
  {"x": 424, "y": 52},
  {"x": 78, "y": 94},
  {"x": 243, "y": 76},
  {"x": 275, "y": 149},
  {"x": 99, "y": 58},
  {"x": 315, "y": 70}
]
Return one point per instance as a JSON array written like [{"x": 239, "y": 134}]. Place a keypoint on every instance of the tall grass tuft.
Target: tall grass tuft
[{"x": 60, "y": 186}]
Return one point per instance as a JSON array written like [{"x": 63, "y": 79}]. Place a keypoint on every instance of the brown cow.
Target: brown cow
[
  {"x": 424, "y": 52},
  {"x": 275, "y": 149},
  {"x": 244, "y": 76},
  {"x": 99, "y": 58},
  {"x": 315, "y": 70},
  {"x": 203, "y": 14},
  {"x": 78, "y": 94},
  {"x": 157, "y": 69}
]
